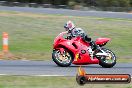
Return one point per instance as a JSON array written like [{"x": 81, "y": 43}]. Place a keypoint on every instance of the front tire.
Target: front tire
[
  {"x": 63, "y": 60},
  {"x": 107, "y": 62}
]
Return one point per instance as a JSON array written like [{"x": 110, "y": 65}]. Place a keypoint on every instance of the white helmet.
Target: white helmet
[{"x": 69, "y": 26}]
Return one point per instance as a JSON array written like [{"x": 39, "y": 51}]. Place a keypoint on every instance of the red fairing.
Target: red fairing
[
  {"x": 58, "y": 39},
  {"x": 75, "y": 45},
  {"x": 101, "y": 41}
]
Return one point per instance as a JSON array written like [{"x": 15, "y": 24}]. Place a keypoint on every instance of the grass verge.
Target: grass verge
[{"x": 50, "y": 82}]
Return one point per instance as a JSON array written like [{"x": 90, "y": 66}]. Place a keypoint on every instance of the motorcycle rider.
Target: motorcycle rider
[{"x": 74, "y": 32}]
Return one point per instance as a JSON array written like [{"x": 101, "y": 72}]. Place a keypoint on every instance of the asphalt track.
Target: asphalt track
[
  {"x": 48, "y": 68},
  {"x": 69, "y": 12}
]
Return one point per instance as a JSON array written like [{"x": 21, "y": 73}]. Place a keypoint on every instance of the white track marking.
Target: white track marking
[
  {"x": 47, "y": 75},
  {"x": 28, "y": 75},
  {"x": 37, "y": 75},
  {"x": 2, "y": 74}
]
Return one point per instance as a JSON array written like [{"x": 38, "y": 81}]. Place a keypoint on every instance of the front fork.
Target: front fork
[{"x": 60, "y": 49}]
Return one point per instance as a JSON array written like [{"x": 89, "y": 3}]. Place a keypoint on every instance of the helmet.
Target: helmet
[{"x": 69, "y": 26}]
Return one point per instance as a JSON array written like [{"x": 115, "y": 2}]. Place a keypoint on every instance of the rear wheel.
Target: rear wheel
[
  {"x": 63, "y": 60},
  {"x": 107, "y": 61}
]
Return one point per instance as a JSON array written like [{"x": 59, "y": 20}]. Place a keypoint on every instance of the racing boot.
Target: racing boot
[{"x": 93, "y": 45}]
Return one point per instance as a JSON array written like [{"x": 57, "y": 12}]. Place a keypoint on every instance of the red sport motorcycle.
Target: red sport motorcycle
[{"x": 76, "y": 51}]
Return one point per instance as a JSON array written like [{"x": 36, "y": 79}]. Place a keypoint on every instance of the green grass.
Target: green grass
[
  {"x": 31, "y": 35},
  {"x": 50, "y": 82}
]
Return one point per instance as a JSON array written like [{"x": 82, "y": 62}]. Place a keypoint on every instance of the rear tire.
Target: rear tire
[
  {"x": 59, "y": 62},
  {"x": 107, "y": 63}
]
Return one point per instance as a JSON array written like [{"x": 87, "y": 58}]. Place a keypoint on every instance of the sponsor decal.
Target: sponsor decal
[
  {"x": 76, "y": 57},
  {"x": 68, "y": 43}
]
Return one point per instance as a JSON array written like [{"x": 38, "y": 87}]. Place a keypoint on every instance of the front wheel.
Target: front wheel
[
  {"x": 63, "y": 60},
  {"x": 107, "y": 61}
]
